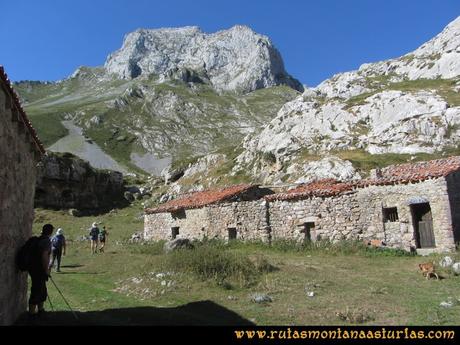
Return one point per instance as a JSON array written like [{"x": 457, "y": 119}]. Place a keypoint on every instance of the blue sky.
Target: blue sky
[{"x": 49, "y": 39}]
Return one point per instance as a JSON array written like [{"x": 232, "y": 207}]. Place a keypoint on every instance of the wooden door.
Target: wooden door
[
  {"x": 423, "y": 225},
  {"x": 426, "y": 233}
]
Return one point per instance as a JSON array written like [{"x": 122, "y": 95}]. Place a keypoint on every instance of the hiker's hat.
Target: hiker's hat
[
  {"x": 94, "y": 224},
  {"x": 59, "y": 231}
]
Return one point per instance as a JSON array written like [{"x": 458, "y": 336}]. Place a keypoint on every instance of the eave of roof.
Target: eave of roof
[
  {"x": 201, "y": 199},
  {"x": 394, "y": 174},
  {"x": 23, "y": 116}
]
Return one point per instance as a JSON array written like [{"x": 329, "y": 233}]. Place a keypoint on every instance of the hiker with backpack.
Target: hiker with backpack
[
  {"x": 103, "y": 238},
  {"x": 94, "y": 235},
  {"x": 34, "y": 258},
  {"x": 58, "y": 249}
]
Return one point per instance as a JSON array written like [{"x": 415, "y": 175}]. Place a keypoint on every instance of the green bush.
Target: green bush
[{"x": 210, "y": 261}]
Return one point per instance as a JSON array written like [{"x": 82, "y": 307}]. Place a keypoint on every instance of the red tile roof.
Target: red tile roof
[
  {"x": 201, "y": 199},
  {"x": 325, "y": 187},
  {"x": 421, "y": 170},
  {"x": 394, "y": 174},
  {"x": 23, "y": 117}
]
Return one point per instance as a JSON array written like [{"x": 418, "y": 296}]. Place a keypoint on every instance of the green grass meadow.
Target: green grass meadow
[{"x": 214, "y": 283}]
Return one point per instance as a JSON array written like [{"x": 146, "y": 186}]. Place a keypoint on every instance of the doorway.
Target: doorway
[
  {"x": 308, "y": 231},
  {"x": 423, "y": 225}
]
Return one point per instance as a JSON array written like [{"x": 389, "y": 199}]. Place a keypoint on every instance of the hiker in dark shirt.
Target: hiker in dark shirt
[
  {"x": 58, "y": 247},
  {"x": 103, "y": 238},
  {"x": 39, "y": 272},
  {"x": 94, "y": 235}
]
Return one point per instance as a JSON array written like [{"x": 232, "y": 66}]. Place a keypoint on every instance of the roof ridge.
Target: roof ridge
[{"x": 201, "y": 198}]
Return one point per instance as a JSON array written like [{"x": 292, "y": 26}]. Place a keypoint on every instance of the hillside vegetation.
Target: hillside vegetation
[{"x": 170, "y": 119}]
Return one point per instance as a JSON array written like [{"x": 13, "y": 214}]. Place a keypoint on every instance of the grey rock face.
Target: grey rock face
[
  {"x": 235, "y": 59},
  {"x": 67, "y": 182},
  {"x": 384, "y": 107}
]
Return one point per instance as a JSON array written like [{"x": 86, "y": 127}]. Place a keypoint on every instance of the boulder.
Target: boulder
[
  {"x": 178, "y": 243},
  {"x": 456, "y": 268},
  {"x": 261, "y": 298},
  {"x": 446, "y": 262},
  {"x": 74, "y": 212},
  {"x": 136, "y": 237}
]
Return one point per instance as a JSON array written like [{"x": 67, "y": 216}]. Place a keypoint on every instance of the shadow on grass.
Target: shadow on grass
[
  {"x": 71, "y": 266},
  {"x": 60, "y": 273},
  {"x": 202, "y": 313}
]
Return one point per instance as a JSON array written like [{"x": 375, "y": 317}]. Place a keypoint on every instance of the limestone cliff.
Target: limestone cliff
[
  {"x": 66, "y": 182},
  {"x": 236, "y": 59}
]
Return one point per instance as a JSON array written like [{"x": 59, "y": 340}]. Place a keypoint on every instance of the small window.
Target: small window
[
  {"x": 232, "y": 233},
  {"x": 174, "y": 232},
  {"x": 390, "y": 214}
]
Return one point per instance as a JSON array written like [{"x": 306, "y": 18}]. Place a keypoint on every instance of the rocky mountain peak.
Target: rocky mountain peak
[
  {"x": 408, "y": 105},
  {"x": 237, "y": 59}
]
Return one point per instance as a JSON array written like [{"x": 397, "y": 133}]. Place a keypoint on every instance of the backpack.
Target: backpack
[
  {"x": 94, "y": 232},
  {"x": 57, "y": 241},
  {"x": 27, "y": 254}
]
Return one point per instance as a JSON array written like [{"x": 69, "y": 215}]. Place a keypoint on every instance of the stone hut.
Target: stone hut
[
  {"x": 20, "y": 151},
  {"x": 410, "y": 206},
  {"x": 236, "y": 212}
]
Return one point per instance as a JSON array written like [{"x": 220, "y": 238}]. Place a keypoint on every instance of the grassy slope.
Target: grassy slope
[
  {"x": 381, "y": 289},
  {"x": 183, "y": 133}
]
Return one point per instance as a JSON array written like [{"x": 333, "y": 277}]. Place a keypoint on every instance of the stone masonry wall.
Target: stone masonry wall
[
  {"x": 358, "y": 215},
  {"x": 249, "y": 218},
  {"x": 354, "y": 215},
  {"x": 213, "y": 221},
  {"x": 401, "y": 233},
  {"x": 17, "y": 187},
  {"x": 190, "y": 222}
]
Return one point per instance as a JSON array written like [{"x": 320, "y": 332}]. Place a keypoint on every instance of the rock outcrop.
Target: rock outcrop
[
  {"x": 67, "y": 182},
  {"x": 237, "y": 59},
  {"x": 403, "y": 106}
]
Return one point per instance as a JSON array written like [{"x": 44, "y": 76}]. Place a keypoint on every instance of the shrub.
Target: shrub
[{"x": 210, "y": 261}]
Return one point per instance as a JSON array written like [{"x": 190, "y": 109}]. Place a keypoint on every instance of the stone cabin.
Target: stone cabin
[
  {"x": 411, "y": 206},
  {"x": 236, "y": 212},
  {"x": 20, "y": 151}
]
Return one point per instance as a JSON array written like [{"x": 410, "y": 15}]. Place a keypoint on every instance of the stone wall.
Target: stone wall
[
  {"x": 18, "y": 160},
  {"x": 65, "y": 181},
  {"x": 248, "y": 218},
  {"x": 352, "y": 215},
  {"x": 359, "y": 215},
  {"x": 158, "y": 226}
]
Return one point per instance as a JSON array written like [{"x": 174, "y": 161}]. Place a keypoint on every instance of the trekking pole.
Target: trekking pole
[
  {"x": 51, "y": 304},
  {"x": 75, "y": 315}
]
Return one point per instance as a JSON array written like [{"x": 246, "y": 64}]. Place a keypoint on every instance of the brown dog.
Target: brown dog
[{"x": 428, "y": 270}]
